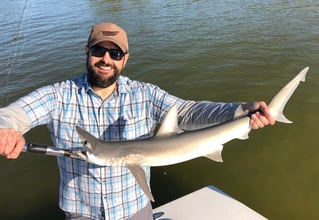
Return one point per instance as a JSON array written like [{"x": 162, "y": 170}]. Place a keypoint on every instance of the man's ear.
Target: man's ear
[
  {"x": 125, "y": 59},
  {"x": 86, "y": 50}
]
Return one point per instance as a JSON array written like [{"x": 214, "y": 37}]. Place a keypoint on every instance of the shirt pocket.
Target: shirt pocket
[{"x": 137, "y": 127}]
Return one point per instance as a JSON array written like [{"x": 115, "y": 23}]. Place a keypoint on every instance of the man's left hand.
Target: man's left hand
[{"x": 259, "y": 114}]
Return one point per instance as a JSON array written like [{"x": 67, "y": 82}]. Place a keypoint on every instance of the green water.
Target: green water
[{"x": 195, "y": 49}]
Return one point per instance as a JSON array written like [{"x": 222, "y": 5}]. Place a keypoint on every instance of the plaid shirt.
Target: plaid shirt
[{"x": 131, "y": 112}]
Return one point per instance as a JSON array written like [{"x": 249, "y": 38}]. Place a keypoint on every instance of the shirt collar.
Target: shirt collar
[
  {"x": 122, "y": 87},
  {"x": 86, "y": 84}
]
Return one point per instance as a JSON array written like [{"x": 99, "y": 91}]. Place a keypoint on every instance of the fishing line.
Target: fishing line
[
  {"x": 26, "y": 28},
  {"x": 12, "y": 59}
]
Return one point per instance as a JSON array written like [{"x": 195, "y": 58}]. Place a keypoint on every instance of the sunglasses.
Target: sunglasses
[{"x": 99, "y": 51}]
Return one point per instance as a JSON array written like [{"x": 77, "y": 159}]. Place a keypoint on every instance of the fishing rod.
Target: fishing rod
[{"x": 50, "y": 150}]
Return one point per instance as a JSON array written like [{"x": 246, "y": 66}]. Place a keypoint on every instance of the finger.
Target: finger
[
  {"x": 266, "y": 113},
  {"x": 2, "y": 144},
  {"x": 262, "y": 118},
  {"x": 258, "y": 120},
  {"x": 268, "y": 117},
  {"x": 253, "y": 125},
  {"x": 3, "y": 140},
  {"x": 254, "y": 122},
  {"x": 17, "y": 149},
  {"x": 10, "y": 142}
]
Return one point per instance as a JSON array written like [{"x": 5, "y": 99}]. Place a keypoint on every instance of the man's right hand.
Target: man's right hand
[{"x": 11, "y": 143}]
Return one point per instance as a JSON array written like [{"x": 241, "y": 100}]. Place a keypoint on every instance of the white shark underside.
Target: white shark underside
[{"x": 171, "y": 146}]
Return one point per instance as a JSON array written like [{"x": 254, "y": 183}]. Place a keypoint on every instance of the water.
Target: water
[{"x": 195, "y": 49}]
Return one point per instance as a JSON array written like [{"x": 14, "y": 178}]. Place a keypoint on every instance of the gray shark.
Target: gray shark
[{"x": 170, "y": 145}]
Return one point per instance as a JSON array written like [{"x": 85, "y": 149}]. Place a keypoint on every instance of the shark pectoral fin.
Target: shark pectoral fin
[
  {"x": 140, "y": 177},
  {"x": 244, "y": 136},
  {"x": 217, "y": 154}
]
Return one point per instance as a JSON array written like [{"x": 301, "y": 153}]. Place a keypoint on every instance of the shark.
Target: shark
[{"x": 171, "y": 145}]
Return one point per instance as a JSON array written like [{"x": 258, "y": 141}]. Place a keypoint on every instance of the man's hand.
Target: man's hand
[
  {"x": 259, "y": 114},
  {"x": 11, "y": 143}
]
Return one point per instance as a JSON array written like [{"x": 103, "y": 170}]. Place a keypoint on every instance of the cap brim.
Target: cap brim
[{"x": 123, "y": 48}]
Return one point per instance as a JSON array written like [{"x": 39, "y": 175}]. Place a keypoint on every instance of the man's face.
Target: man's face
[{"x": 105, "y": 63}]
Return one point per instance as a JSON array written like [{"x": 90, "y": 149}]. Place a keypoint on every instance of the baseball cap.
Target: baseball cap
[{"x": 108, "y": 32}]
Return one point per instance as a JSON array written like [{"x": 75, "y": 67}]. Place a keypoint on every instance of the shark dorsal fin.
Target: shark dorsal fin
[{"x": 170, "y": 124}]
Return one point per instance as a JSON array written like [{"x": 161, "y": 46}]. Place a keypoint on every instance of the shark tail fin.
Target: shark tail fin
[{"x": 277, "y": 104}]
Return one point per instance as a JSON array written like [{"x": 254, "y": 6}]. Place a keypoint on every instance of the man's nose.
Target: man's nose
[{"x": 106, "y": 57}]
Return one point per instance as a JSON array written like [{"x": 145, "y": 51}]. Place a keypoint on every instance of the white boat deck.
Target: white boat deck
[{"x": 207, "y": 203}]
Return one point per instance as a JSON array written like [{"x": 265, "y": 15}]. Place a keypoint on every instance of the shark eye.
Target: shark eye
[{"x": 85, "y": 142}]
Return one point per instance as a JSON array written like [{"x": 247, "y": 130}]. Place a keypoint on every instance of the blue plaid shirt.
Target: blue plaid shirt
[{"x": 131, "y": 112}]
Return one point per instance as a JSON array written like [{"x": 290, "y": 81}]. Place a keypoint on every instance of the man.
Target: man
[{"x": 113, "y": 108}]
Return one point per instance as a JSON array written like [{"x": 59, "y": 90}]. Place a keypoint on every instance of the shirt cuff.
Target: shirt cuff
[{"x": 239, "y": 112}]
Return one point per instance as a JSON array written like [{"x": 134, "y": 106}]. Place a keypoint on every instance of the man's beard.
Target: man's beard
[{"x": 96, "y": 80}]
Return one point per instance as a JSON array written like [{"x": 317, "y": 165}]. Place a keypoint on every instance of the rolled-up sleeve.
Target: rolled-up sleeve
[
  {"x": 14, "y": 116},
  {"x": 196, "y": 115}
]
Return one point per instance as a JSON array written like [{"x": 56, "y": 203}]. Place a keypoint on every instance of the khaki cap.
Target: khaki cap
[{"x": 108, "y": 32}]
